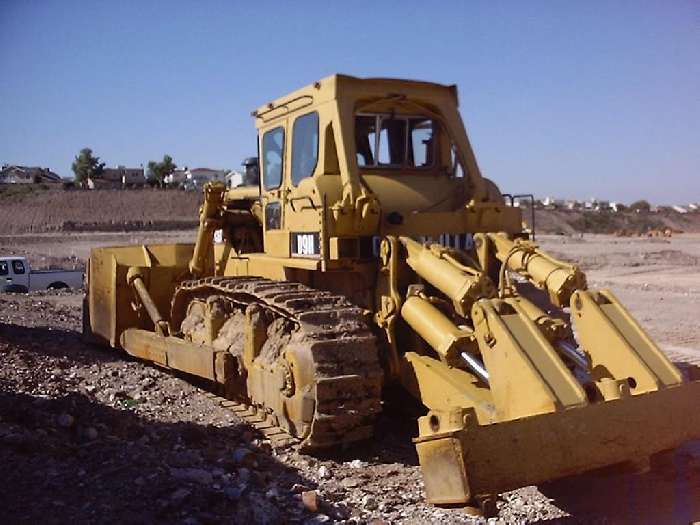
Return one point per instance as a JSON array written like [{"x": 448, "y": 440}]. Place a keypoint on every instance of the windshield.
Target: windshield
[{"x": 385, "y": 140}]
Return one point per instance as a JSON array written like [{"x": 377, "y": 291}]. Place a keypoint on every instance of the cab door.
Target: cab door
[
  {"x": 273, "y": 159},
  {"x": 303, "y": 209}
]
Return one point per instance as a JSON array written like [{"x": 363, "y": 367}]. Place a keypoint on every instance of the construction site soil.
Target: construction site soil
[{"x": 89, "y": 435}]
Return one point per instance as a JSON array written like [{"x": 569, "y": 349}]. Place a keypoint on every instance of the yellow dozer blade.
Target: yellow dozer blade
[
  {"x": 462, "y": 459},
  {"x": 525, "y": 404}
]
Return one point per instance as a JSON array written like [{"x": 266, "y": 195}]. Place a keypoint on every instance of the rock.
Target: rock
[
  {"x": 298, "y": 489},
  {"x": 244, "y": 474},
  {"x": 242, "y": 455},
  {"x": 196, "y": 475},
  {"x": 233, "y": 493},
  {"x": 324, "y": 472},
  {"x": 273, "y": 493},
  {"x": 377, "y": 521},
  {"x": 351, "y": 482},
  {"x": 369, "y": 502},
  {"x": 310, "y": 500},
  {"x": 179, "y": 495},
  {"x": 91, "y": 433},
  {"x": 65, "y": 420},
  {"x": 356, "y": 463}
]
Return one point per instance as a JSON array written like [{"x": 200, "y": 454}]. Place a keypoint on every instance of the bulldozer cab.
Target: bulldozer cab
[{"x": 348, "y": 159}]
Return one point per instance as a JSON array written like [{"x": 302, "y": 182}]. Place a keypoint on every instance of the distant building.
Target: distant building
[
  {"x": 195, "y": 178},
  {"x": 117, "y": 178},
  {"x": 177, "y": 178},
  {"x": 234, "y": 179},
  {"x": 552, "y": 203},
  {"x": 680, "y": 209},
  {"x": 200, "y": 176},
  {"x": 13, "y": 174}
]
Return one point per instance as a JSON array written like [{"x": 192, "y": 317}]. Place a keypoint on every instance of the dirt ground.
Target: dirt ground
[{"x": 88, "y": 435}]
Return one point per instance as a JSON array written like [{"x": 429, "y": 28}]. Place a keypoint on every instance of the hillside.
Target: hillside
[
  {"x": 54, "y": 210},
  {"x": 37, "y": 209},
  {"x": 627, "y": 223}
]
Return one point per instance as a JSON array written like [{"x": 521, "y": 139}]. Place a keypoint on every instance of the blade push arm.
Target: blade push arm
[{"x": 209, "y": 221}]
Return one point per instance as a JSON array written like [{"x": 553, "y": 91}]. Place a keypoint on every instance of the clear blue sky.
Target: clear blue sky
[{"x": 573, "y": 99}]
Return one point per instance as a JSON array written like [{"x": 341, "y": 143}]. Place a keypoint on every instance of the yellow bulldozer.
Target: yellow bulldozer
[{"x": 365, "y": 250}]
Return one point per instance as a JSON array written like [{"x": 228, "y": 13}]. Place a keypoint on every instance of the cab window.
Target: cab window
[
  {"x": 17, "y": 267},
  {"x": 4, "y": 268},
  {"x": 304, "y": 147},
  {"x": 420, "y": 151},
  {"x": 273, "y": 158},
  {"x": 394, "y": 141},
  {"x": 366, "y": 139}
]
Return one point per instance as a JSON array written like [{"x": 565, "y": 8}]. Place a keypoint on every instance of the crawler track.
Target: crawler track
[{"x": 347, "y": 376}]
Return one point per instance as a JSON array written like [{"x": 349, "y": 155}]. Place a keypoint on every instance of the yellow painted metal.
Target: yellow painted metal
[
  {"x": 535, "y": 449},
  {"x": 173, "y": 352},
  {"x": 461, "y": 284},
  {"x": 558, "y": 278},
  {"x": 440, "y": 387},
  {"x": 437, "y": 330},
  {"x": 209, "y": 220},
  {"x": 527, "y": 376},
  {"x": 110, "y": 296},
  {"x": 553, "y": 328},
  {"x": 618, "y": 347},
  {"x": 135, "y": 278}
]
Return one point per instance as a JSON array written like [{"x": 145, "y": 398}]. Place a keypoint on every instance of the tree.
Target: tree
[
  {"x": 640, "y": 206},
  {"x": 158, "y": 171},
  {"x": 87, "y": 166}
]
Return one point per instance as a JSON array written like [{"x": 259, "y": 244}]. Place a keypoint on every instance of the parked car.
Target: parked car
[{"x": 17, "y": 276}]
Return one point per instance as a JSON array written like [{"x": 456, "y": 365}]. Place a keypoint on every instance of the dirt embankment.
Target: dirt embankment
[
  {"x": 627, "y": 223},
  {"x": 56, "y": 210}
]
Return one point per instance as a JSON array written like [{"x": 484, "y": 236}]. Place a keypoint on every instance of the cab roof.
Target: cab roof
[{"x": 340, "y": 86}]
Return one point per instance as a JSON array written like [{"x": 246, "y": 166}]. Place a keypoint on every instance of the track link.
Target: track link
[
  {"x": 332, "y": 332},
  {"x": 259, "y": 420}
]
